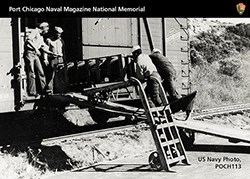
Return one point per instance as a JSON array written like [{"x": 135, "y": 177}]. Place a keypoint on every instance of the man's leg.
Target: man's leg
[
  {"x": 169, "y": 86},
  {"x": 50, "y": 73},
  {"x": 147, "y": 91},
  {"x": 153, "y": 90},
  {"x": 29, "y": 59},
  {"x": 50, "y": 80},
  {"x": 40, "y": 73},
  {"x": 60, "y": 84}
]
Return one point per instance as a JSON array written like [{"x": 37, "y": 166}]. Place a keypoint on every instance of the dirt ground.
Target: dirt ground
[
  {"x": 124, "y": 154},
  {"x": 211, "y": 157}
]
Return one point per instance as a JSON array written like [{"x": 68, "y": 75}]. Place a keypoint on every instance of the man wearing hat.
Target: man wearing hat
[
  {"x": 144, "y": 70},
  {"x": 57, "y": 77},
  {"x": 167, "y": 72},
  {"x": 33, "y": 46}
]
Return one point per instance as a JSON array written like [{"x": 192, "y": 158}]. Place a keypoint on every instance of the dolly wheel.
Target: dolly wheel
[
  {"x": 154, "y": 161},
  {"x": 99, "y": 117},
  {"x": 130, "y": 118}
]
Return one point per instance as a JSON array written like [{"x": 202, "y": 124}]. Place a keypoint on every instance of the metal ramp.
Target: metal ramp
[
  {"x": 232, "y": 134},
  {"x": 170, "y": 149}
]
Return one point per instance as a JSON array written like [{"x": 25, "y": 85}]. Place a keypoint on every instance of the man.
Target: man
[
  {"x": 144, "y": 70},
  {"x": 33, "y": 47},
  {"x": 57, "y": 69},
  {"x": 167, "y": 72}
]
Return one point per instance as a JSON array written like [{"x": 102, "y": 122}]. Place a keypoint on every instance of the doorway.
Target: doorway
[{"x": 72, "y": 34}]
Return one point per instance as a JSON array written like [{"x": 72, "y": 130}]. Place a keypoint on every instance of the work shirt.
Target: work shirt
[
  {"x": 163, "y": 64},
  {"x": 36, "y": 38},
  {"x": 55, "y": 46},
  {"x": 144, "y": 67}
]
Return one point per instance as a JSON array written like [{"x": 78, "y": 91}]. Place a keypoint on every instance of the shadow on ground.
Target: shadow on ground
[
  {"x": 220, "y": 148},
  {"x": 116, "y": 168},
  {"x": 25, "y": 126},
  {"x": 24, "y": 131},
  {"x": 43, "y": 157}
]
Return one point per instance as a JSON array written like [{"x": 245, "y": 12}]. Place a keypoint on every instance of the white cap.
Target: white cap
[
  {"x": 59, "y": 29},
  {"x": 156, "y": 50},
  {"x": 136, "y": 47},
  {"x": 44, "y": 24}
]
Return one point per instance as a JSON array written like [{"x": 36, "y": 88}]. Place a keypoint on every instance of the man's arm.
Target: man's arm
[
  {"x": 29, "y": 41},
  {"x": 143, "y": 63},
  {"x": 46, "y": 50},
  {"x": 139, "y": 73},
  {"x": 64, "y": 51},
  {"x": 49, "y": 52}
]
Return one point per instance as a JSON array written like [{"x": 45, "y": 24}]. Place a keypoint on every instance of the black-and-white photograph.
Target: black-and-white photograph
[{"x": 124, "y": 97}]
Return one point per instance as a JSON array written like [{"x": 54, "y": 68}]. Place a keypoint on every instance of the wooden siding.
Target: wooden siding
[
  {"x": 6, "y": 63},
  {"x": 107, "y": 36},
  {"x": 112, "y": 36},
  {"x": 155, "y": 26},
  {"x": 177, "y": 51}
]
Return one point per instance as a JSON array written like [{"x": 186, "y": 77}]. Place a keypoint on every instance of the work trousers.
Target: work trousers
[
  {"x": 169, "y": 85},
  {"x": 32, "y": 65},
  {"x": 57, "y": 76},
  {"x": 152, "y": 91}
]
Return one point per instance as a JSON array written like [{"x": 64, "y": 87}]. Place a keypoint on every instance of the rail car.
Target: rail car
[{"x": 98, "y": 52}]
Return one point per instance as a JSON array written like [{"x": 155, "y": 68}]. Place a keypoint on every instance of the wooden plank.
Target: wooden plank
[
  {"x": 107, "y": 36},
  {"x": 170, "y": 142},
  {"x": 215, "y": 129},
  {"x": 165, "y": 125},
  {"x": 106, "y": 87},
  {"x": 95, "y": 51}
]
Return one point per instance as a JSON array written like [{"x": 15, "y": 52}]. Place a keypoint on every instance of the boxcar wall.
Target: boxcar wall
[
  {"x": 109, "y": 36},
  {"x": 6, "y": 63},
  {"x": 95, "y": 37}
]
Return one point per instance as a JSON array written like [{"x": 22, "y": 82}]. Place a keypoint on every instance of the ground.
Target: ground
[
  {"x": 128, "y": 147},
  {"x": 128, "y": 150},
  {"x": 232, "y": 162}
]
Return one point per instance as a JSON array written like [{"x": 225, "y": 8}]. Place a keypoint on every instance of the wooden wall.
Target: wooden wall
[
  {"x": 6, "y": 63},
  {"x": 177, "y": 44},
  {"x": 110, "y": 36}
]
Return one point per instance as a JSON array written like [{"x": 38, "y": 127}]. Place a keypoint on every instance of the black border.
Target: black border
[{"x": 154, "y": 8}]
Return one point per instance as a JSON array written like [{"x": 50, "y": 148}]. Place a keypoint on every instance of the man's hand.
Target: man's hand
[
  {"x": 38, "y": 52},
  {"x": 57, "y": 55},
  {"x": 46, "y": 62}
]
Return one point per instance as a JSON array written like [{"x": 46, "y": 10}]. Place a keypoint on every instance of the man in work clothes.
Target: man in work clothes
[
  {"x": 167, "y": 72},
  {"x": 57, "y": 68},
  {"x": 144, "y": 70},
  {"x": 33, "y": 47}
]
